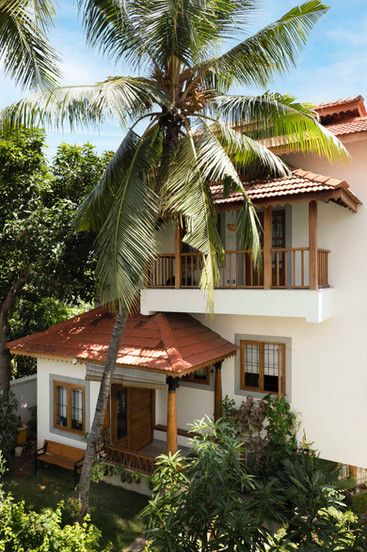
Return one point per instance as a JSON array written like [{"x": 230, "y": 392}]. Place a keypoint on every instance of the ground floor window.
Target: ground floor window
[
  {"x": 262, "y": 366},
  {"x": 199, "y": 376},
  {"x": 69, "y": 406}
]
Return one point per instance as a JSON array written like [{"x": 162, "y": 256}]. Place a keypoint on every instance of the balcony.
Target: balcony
[
  {"x": 290, "y": 269},
  {"x": 286, "y": 282}
]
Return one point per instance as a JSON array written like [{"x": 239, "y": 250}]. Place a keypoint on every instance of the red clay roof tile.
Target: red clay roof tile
[
  {"x": 298, "y": 183},
  {"x": 170, "y": 343}
]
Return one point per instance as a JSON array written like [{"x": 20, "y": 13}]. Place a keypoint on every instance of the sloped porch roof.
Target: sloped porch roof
[
  {"x": 301, "y": 186},
  {"x": 171, "y": 343}
]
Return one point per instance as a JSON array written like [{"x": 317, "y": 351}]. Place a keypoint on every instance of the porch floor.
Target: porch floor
[{"x": 157, "y": 447}]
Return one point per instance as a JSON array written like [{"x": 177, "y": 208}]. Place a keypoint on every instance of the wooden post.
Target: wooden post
[
  {"x": 173, "y": 384},
  {"x": 268, "y": 230},
  {"x": 312, "y": 240},
  {"x": 218, "y": 391},
  {"x": 178, "y": 242}
]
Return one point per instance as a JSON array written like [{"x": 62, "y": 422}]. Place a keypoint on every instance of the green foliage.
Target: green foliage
[
  {"x": 27, "y": 56},
  {"x": 8, "y": 425},
  {"x": 212, "y": 501},
  {"x": 27, "y": 530},
  {"x": 38, "y": 242},
  {"x": 23, "y": 530}
]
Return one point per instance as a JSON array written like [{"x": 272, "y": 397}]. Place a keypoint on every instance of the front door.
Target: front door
[{"x": 132, "y": 417}]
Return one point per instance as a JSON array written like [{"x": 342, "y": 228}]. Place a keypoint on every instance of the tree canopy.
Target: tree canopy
[{"x": 47, "y": 270}]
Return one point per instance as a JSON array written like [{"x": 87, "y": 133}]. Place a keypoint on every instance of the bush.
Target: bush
[
  {"x": 212, "y": 501},
  {"x": 22, "y": 530}
]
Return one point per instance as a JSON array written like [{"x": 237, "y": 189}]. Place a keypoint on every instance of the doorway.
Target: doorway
[{"x": 132, "y": 417}]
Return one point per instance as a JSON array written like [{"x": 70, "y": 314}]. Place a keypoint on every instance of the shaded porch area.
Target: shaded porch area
[{"x": 172, "y": 348}]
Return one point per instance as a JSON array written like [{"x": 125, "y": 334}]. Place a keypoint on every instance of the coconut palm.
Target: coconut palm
[
  {"x": 25, "y": 53},
  {"x": 195, "y": 132}
]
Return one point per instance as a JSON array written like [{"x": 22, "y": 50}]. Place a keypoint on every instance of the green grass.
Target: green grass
[{"x": 113, "y": 510}]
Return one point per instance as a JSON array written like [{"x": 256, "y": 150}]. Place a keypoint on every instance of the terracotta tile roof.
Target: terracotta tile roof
[
  {"x": 348, "y": 126},
  {"x": 300, "y": 183},
  {"x": 171, "y": 343},
  {"x": 340, "y": 102}
]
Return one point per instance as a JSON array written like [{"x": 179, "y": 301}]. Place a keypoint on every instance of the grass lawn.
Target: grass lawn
[{"x": 113, "y": 510}]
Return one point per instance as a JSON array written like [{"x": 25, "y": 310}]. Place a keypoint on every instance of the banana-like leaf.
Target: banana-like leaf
[
  {"x": 27, "y": 56},
  {"x": 79, "y": 106},
  {"x": 272, "y": 50},
  {"x": 278, "y": 120},
  {"x": 124, "y": 211}
]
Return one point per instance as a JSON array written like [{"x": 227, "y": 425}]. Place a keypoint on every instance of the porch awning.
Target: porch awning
[
  {"x": 170, "y": 343},
  {"x": 300, "y": 186}
]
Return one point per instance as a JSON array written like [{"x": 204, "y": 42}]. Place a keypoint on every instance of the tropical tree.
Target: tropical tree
[
  {"x": 46, "y": 269},
  {"x": 196, "y": 132},
  {"x": 26, "y": 55}
]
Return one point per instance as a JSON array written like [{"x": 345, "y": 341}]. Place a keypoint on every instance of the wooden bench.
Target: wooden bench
[{"x": 57, "y": 454}]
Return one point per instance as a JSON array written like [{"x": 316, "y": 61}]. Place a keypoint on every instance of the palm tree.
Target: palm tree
[
  {"x": 25, "y": 53},
  {"x": 196, "y": 132}
]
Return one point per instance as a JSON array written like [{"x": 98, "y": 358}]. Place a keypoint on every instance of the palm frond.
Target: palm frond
[
  {"x": 81, "y": 106},
  {"x": 272, "y": 50},
  {"x": 279, "y": 120},
  {"x": 123, "y": 210},
  {"x": 113, "y": 30},
  {"x": 251, "y": 158},
  {"x": 186, "y": 195},
  {"x": 216, "y": 145},
  {"x": 27, "y": 56}
]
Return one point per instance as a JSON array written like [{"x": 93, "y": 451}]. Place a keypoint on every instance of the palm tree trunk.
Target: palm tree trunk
[{"x": 96, "y": 429}]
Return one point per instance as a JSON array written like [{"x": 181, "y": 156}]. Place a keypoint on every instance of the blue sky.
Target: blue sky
[{"x": 331, "y": 66}]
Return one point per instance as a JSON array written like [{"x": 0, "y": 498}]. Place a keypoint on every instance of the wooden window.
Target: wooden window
[
  {"x": 200, "y": 376},
  {"x": 69, "y": 407},
  {"x": 262, "y": 366}
]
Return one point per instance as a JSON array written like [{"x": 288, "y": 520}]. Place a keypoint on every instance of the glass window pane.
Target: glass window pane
[
  {"x": 252, "y": 365},
  {"x": 77, "y": 409},
  {"x": 61, "y": 406},
  {"x": 201, "y": 374},
  {"x": 272, "y": 361}
]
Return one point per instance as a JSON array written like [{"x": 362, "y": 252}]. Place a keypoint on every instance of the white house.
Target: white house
[{"x": 297, "y": 327}]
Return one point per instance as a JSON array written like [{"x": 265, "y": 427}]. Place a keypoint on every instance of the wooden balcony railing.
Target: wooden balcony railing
[{"x": 290, "y": 269}]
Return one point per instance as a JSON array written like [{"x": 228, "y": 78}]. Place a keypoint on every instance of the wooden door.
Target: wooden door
[
  {"x": 141, "y": 417},
  {"x": 119, "y": 416},
  {"x": 278, "y": 242}
]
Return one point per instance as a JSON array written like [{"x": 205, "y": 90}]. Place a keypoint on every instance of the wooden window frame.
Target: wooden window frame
[
  {"x": 70, "y": 387},
  {"x": 281, "y": 367},
  {"x": 190, "y": 378}
]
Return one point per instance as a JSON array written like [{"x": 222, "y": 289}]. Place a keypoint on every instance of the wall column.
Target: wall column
[
  {"x": 312, "y": 240},
  {"x": 218, "y": 391},
  {"x": 173, "y": 384},
  {"x": 178, "y": 264},
  {"x": 268, "y": 230}
]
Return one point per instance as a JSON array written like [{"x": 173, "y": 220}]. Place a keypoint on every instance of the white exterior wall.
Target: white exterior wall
[
  {"x": 25, "y": 391},
  {"x": 328, "y": 378},
  {"x": 46, "y": 369}
]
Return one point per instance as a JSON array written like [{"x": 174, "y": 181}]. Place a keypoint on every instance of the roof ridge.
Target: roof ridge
[{"x": 169, "y": 341}]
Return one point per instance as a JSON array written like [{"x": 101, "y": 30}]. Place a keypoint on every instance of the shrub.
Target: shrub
[{"x": 22, "y": 530}]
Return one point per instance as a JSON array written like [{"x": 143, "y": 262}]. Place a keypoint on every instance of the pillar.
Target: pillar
[
  {"x": 218, "y": 391},
  {"x": 173, "y": 384},
  {"x": 268, "y": 230},
  {"x": 178, "y": 264},
  {"x": 312, "y": 240}
]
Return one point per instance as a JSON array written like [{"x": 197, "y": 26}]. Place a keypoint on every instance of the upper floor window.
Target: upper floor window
[
  {"x": 69, "y": 407},
  {"x": 262, "y": 366}
]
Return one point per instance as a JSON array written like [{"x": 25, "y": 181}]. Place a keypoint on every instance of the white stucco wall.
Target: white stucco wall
[
  {"x": 25, "y": 391},
  {"x": 46, "y": 370}
]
